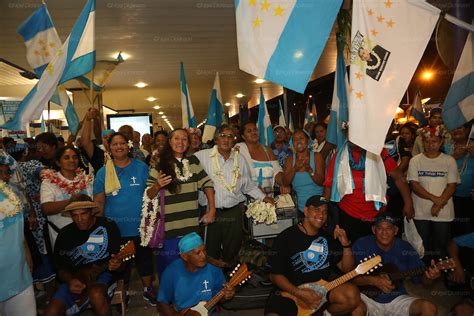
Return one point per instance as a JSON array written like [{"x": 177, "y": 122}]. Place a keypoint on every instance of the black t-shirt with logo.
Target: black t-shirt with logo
[
  {"x": 302, "y": 258},
  {"x": 76, "y": 248}
]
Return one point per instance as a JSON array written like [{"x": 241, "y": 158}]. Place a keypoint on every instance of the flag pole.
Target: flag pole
[
  {"x": 92, "y": 88},
  {"x": 49, "y": 117}
]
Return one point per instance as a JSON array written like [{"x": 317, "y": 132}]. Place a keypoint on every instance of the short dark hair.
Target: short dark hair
[
  {"x": 47, "y": 138},
  {"x": 221, "y": 129}
]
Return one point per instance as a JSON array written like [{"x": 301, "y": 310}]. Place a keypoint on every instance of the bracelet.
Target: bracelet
[{"x": 347, "y": 246}]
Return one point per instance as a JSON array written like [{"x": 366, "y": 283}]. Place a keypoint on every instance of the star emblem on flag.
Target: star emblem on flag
[
  {"x": 359, "y": 95},
  {"x": 265, "y": 5},
  {"x": 374, "y": 32},
  {"x": 50, "y": 69},
  {"x": 370, "y": 12},
  {"x": 252, "y": 2},
  {"x": 390, "y": 23},
  {"x": 380, "y": 19},
  {"x": 358, "y": 75},
  {"x": 256, "y": 23},
  {"x": 279, "y": 11},
  {"x": 388, "y": 4}
]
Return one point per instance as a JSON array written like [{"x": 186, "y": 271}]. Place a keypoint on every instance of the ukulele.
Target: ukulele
[
  {"x": 238, "y": 277},
  {"x": 322, "y": 287},
  {"x": 88, "y": 275},
  {"x": 391, "y": 272}
]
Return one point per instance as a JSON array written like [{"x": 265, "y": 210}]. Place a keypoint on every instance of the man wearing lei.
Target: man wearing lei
[{"x": 231, "y": 177}]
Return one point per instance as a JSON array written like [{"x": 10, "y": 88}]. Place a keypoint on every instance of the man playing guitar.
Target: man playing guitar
[
  {"x": 392, "y": 299},
  {"x": 190, "y": 279},
  {"x": 306, "y": 253},
  {"x": 83, "y": 245}
]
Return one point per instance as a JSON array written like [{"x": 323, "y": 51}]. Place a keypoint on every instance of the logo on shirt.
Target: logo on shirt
[
  {"x": 433, "y": 174},
  {"x": 133, "y": 181},
  {"x": 206, "y": 288},
  {"x": 313, "y": 258},
  {"x": 95, "y": 248}
]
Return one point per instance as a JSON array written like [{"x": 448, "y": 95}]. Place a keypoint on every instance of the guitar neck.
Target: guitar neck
[
  {"x": 210, "y": 304},
  {"x": 396, "y": 276},
  {"x": 343, "y": 279}
]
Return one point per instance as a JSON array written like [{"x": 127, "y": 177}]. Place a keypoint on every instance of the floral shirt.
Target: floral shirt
[{"x": 281, "y": 154}]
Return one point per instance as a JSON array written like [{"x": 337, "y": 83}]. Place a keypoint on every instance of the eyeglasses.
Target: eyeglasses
[{"x": 229, "y": 136}]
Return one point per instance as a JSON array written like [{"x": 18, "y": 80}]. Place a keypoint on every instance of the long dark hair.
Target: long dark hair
[
  {"x": 60, "y": 152},
  {"x": 166, "y": 164}
]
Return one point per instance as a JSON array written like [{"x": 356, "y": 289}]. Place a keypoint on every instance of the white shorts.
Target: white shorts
[
  {"x": 22, "y": 304},
  {"x": 399, "y": 306}
]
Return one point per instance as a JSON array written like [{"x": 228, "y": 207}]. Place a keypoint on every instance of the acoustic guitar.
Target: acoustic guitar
[
  {"x": 88, "y": 275},
  {"x": 391, "y": 272},
  {"x": 240, "y": 274},
  {"x": 322, "y": 287}
]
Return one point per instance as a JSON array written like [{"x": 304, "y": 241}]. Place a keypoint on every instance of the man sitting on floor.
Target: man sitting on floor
[
  {"x": 84, "y": 249},
  {"x": 392, "y": 300},
  {"x": 190, "y": 279},
  {"x": 306, "y": 253}
]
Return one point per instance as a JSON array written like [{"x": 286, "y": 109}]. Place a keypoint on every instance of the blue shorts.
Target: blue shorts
[{"x": 69, "y": 299}]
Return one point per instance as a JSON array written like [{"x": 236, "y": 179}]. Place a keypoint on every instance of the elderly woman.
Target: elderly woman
[
  {"x": 122, "y": 203},
  {"x": 264, "y": 167},
  {"x": 304, "y": 170},
  {"x": 433, "y": 177},
  {"x": 195, "y": 143},
  {"x": 180, "y": 178}
]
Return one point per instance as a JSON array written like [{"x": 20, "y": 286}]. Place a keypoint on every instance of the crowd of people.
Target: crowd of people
[{"x": 66, "y": 208}]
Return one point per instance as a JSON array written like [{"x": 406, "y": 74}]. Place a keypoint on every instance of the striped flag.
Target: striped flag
[
  {"x": 290, "y": 124},
  {"x": 214, "y": 113},
  {"x": 339, "y": 110},
  {"x": 74, "y": 58},
  {"x": 307, "y": 116},
  {"x": 458, "y": 106},
  {"x": 187, "y": 111},
  {"x": 264, "y": 125},
  {"x": 417, "y": 110},
  {"x": 281, "y": 116}
]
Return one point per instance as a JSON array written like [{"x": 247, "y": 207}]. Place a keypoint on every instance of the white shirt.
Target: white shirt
[
  {"x": 52, "y": 193},
  {"x": 433, "y": 174},
  {"x": 245, "y": 185}
]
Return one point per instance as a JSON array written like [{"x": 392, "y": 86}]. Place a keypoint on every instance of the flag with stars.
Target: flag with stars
[
  {"x": 74, "y": 58},
  {"x": 387, "y": 42},
  {"x": 281, "y": 41}
]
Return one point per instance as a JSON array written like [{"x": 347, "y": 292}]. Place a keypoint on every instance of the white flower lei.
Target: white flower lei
[
  {"x": 261, "y": 212},
  {"x": 147, "y": 232},
  {"x": 13, "y": 198},
  {"x": 220, "y": 174},
  {"x": 186, "y": 175}
]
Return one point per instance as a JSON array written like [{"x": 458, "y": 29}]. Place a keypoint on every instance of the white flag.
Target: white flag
[{"x": 388, "y": 41}]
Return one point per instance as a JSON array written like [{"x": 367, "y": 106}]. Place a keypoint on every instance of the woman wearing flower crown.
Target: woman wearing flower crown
[
  {"x": 59, "y": 185},
  {"x": 433, "y": 176},
  {"x": 181, "y": 178}
]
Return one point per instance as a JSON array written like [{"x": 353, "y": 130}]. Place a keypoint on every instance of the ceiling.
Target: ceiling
[{"x": 157, "y": 35}]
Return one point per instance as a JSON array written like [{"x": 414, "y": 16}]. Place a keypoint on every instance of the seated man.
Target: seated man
[
  {"x": 392, "y": 300},
  {"x": 306, "y": 253},
  {"x": 190, "y": 279},
  {"x": 84, "y": 249}
]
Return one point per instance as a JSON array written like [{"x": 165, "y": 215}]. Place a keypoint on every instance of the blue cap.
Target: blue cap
[
  {"x": 106, "y": 132},
  {"x": 189, "y": 242}
]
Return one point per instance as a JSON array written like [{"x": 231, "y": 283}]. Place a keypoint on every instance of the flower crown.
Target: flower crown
[{"x": 429, "y": 131}]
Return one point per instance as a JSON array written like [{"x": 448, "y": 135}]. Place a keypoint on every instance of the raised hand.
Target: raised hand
[{"x": 340, "y": 234}]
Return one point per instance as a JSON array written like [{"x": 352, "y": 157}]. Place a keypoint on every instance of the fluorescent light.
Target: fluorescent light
[
  {"x": 227, "y": 104},
  {"x": 163, "y": 116},
  {"x": 423, "y": 101},
  {"x": 259, "y": 81},
  {"x": 156, "y": 107},
  {"x": 239, "y": 95},
  {"x": 151, "y": 99},
  {"x": 141, "y": 84},
  {"x": 161, "y": 113}
]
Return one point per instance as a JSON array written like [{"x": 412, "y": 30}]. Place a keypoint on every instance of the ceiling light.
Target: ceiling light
[
  {"x": 161, "y": 113},
  {"x": 239, "y": 95},
  {"x": 156, "y": 107},
  {"x": 151, "y": 99},
  {"x": 141, "y": 84},
  {"x": 125, "y": 56},
  {"x": 259, "y": 81},
  {"x": 163, "y": 116},
  {"x": 227, "y": 104}
]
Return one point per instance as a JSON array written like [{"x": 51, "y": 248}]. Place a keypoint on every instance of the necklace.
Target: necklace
[
  {"x": 361, "y": 164},
  {"x": 80, "y": 182},
  {"x": 186, "y": 174},
  {"x": 220, "y": 174}
]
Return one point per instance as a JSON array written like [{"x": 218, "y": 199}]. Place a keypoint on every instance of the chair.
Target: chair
[{"x": 119, "y": 296}]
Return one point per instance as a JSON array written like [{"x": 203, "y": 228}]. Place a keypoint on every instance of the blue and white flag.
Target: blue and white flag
[
  {"x": 339, "y": 108},
  {"x": 307, "y": 117},
  {"x": 264, "y": 125},
  {"x": 214, "y": 113},
  {"x": 314, "y": 111},
  {"x": 281, "y": 41},
  {"x": 62, "y": 99},
  {"x": 187, "y": 111},
  {"x": 75, "y": 58},
  {"x": 281, "y": 116},
  {"x": 458, "y": 106},
  {"x": 417, "y": 110},
  {"x": 290, "y": 123}
]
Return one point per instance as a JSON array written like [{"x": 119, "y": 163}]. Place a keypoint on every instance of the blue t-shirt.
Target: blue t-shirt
[
  {"x": 466, "y": 172},
  {"x": 402, "y": 255},
  {"x": 465, "y": 240},
  {"x": 14, "y": 271},
  {"x": 184, "y": 289},
  {"x": 125, "y": 207}
]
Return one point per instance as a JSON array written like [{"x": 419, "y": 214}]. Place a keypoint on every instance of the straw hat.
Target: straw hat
[{"x": 80, "y": 205}]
